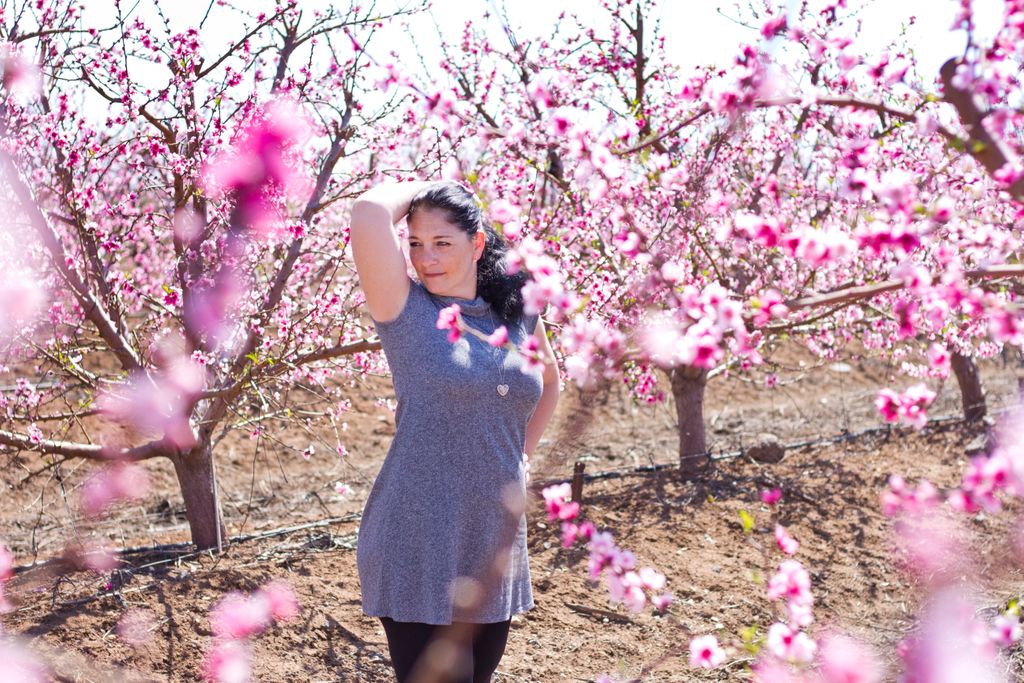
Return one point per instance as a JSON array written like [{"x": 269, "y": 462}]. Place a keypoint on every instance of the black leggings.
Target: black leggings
[{"x": 408, "y": 640}]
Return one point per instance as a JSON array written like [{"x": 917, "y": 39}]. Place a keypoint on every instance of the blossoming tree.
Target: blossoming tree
[
  {"x": 179, "y": 245},
  {"x": 691, "y": 221}
]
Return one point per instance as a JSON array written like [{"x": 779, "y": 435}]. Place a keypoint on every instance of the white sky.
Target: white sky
[{"x": 698, "y": 33}]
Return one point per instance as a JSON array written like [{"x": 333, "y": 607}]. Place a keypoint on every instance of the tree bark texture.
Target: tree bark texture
[
  {"x": 688, "y": 391},
  {"x": 199, "y": 490},
  {"x": 971, "y": 393}
]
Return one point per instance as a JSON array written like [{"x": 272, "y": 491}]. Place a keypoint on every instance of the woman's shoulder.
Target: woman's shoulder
[{"x": 417, "y": 304}]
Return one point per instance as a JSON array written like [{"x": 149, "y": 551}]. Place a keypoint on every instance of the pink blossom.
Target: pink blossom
[
  {"x": 911, "y": 405},
  {"x": 706, "y": 653},
  {"x": 159, "y": 401},
  {"x": 791, "y": 582},
  {"x": 661, "y": 602},
  {"x": 845, "y": 660},
  {"x": 499, "y": 337},
  {"x": 111, "y": 484},
  {"x": 768, "y": 306},
  {"x": 6, "y": 563},
  {"x": 239, "y": 616},
  {"x": 888, "y": 403},
  {"x": 651, "y": 579},
  {"x": 342, "y": 489},
  {"x": 771, "y": 496},
  {"x": 503, "y": 211},
  {"x": 21, "y": 664},
  {"x": 900, "y": 499},
  {"x": 557, "y": 502},
  {"x": 284, "y": 605},
  {"x": 257, "y": 165},
  {"x": 1005, "y": 630},
  {"x": 790, "y": 645},
  {"x": 626, "y": 588},
  {"x": 773, "y": 26},
  {"x": 533, "y": 357},
  {"x": 228, "y": 662},
  {"x": 450, "y": 319},
  {"x": 572, "y": 532},
  {"x": 786, "y": 543},
  {"x": 939, "y": 359}
]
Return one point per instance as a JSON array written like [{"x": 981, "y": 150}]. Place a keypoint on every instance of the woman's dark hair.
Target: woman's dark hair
[{"x": 493, "y": 284}]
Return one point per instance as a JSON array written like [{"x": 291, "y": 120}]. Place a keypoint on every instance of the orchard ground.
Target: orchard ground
[{"x": 690, "y": 531}]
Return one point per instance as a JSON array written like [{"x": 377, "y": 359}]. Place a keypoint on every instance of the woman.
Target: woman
[{"x": 442, "y": 539}]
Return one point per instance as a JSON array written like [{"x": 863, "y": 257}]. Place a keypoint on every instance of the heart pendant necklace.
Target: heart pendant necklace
[{"x": 499, "y": 362}]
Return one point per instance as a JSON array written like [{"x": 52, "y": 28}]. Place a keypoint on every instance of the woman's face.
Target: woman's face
[{"x": 443, "y": 255}]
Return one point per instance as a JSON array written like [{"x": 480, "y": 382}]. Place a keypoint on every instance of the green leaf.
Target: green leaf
[
  {"x": 254, "y": 357},
  {"x": 711, "y": 499},
  {"x": 747, "y": 521},
  {"x": 752, "y": 640}
]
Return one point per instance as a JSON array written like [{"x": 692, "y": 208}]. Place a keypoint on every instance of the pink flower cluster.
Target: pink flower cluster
[
  {"x": 6, "y": 572},
  {"x": 450, "y": 318},
  {"x": 633, "y": 587},
  {"x": 697, "y": 334},
  {"x": 793, "y": 584},
  {"x": 238, "y": 617},
  {"x": 257, "y": 167},
  {"x": 545, "y": 285},
  {"x": 900, "y": 499},
  {"x": 911, "y": 405}
]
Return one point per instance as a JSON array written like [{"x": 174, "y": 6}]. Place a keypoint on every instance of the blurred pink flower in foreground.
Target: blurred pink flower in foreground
[
  {"x": 159, "y": 402},
  {"x": 771, "y": 496},
  {"x": 786, "y": 543},
  {"x": 789, "y": 644},
  {"x": 228, "y": 662},
  {"x": 239, "y": 616},
  {"x": 284, "y": 605},
  {"x": 136, "y": 626},
  {"x": 705, "y": 652},
  {"x": 257, "y": 166},
  {"x": 1005, "y": 630},
  {"x": 20, "y": 664},
  {"x": 449, "y": 319},
  {"x": 952, "y": 646},
  {"x": 113, "y": 483},
  {"x": 845, "y": 660}
]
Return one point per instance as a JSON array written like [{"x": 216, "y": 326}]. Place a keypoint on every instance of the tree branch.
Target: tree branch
[
  {"x": 848, "y": 294},
  {"x": 83, "y": 450},
  {"x": 985, "y": 149},
  {"x": 92, "y": 308}
]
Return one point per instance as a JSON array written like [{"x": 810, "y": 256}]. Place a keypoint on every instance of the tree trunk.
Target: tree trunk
[
  {"x": 971, "y": 394},
  {"x": 688, "y": 391},
  {"x": 202, "y": 503}
]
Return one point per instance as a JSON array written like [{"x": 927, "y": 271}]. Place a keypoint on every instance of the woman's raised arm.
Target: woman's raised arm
[{"x": 379, "y": 259}]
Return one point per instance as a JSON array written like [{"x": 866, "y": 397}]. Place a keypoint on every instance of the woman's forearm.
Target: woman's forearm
[
  {"x": 392, "y": 197},
  {"x": 541, "y": 415}
]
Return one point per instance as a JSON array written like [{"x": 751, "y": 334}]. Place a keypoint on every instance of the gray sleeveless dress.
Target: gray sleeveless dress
[{"x": 435, "y": 515}]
